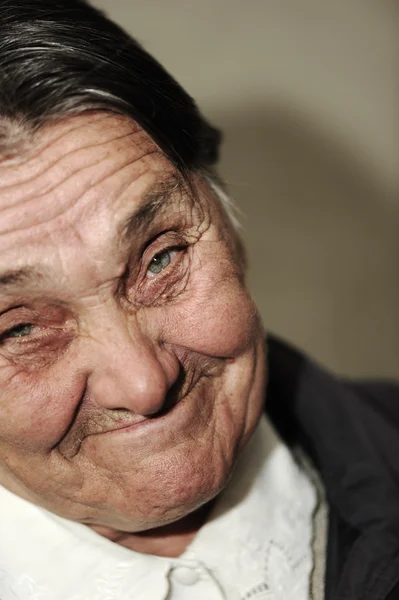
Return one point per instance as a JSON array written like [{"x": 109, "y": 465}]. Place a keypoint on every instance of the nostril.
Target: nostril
[{"x": 175, "y": 393}]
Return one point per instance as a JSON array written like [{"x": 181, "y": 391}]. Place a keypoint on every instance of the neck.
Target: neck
[{"x": 169, "y": 540}]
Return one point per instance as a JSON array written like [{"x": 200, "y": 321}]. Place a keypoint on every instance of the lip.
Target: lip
[
  {"x": 145, "y": 422},
  {"x": 137, "y": 423}
]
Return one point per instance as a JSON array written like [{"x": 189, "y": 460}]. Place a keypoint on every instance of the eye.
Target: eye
[
  {"x": 161, "y": 261},
  {"x": 21, "y": 330}
]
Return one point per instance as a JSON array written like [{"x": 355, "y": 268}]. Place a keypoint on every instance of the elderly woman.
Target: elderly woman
[{"x": 136, "y": 457}]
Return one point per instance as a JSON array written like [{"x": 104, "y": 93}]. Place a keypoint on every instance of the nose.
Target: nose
[{"x": 127, "y": 372}]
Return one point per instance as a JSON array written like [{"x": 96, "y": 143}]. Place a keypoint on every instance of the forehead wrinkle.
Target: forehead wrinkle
[
  {"x": 47, "y": 169},
  {"x": 58, "y": 208},
  {"x": 33, "y": 151},
  {"x": 46, "y": 173},
  {"x": 63, "y": 144}
]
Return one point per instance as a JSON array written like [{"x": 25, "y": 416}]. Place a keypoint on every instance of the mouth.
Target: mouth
[
  {"x": 72, "y": 444},
  {"x": 146, "y": 421}
]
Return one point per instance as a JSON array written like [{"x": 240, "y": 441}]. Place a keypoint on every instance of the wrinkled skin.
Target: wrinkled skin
[{"x": 131, "y": 355}]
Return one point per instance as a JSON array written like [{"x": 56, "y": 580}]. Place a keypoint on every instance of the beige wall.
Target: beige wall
[{"x": 305, "y": 91}]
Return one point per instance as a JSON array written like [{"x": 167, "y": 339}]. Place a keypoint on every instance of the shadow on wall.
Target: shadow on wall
[{"x": 323, "y": 240}]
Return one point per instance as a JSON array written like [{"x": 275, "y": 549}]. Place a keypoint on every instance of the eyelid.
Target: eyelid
[
  {"x": 9, "y": 309},
  {"x": 152, "y": 240},
  {"x": 9, "y": 321},
  {"x": 5, "y": 335},
  {"x": 43, "y": 324},
  {"x": 164, "y": 241}
]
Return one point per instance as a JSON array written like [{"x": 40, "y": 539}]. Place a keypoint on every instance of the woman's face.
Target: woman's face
[{"x": 131, "y": 355}]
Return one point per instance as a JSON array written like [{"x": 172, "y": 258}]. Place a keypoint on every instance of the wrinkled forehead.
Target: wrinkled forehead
[
  {"x": 73, "y": 143},
  {"x": 81, "y": 189},
  {"x": 77, "y": 166}
]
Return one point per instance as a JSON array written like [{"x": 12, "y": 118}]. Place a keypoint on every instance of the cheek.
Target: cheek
[
  {"x": 215, "y": 316},
  {"x": 37, "y": 409}
]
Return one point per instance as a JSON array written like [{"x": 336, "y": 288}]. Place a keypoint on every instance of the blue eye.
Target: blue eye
[
  {"x": 21, "y": 330},
  {"x": 161, "y": 261}
]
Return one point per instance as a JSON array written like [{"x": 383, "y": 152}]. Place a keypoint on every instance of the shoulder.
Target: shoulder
[
  {"x": 350, "y": 430},
  {"x": 381, "y": 395},
  {"x": 300, "y": 392}
]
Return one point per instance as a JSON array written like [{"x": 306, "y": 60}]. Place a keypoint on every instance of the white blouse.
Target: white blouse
[{"x": 256, "y": 544}]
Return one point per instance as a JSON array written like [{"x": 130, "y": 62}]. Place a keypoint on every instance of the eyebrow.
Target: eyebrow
[
  {"x": 10, "y": 278},
  {"x": 159, "y": 197}
]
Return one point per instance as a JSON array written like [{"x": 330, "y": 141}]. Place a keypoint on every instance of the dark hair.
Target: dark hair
[{"x": 63, "y": 57}]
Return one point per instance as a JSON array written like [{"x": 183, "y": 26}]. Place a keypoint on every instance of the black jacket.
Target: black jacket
[{"x": 350, "y": 430}]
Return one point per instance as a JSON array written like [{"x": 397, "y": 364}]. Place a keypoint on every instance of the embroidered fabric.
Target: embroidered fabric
[{"x": 258, "y": 540}]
